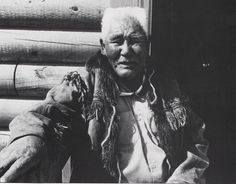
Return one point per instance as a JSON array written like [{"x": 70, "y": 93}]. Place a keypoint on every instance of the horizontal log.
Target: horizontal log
[
  {"x": 32, "y": 81},
  {"x": 35, "y": 81},
  {"x": 123, "y": 3},
  {"x": 52, "y": 14},
  {"x": 7, "y": 80},
  {"x": 9, "y": 108},
  {"x": 19, "y": 46}
]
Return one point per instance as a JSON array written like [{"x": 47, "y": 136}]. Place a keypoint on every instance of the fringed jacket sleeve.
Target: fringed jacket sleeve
[{"x": 53, "y": 119}]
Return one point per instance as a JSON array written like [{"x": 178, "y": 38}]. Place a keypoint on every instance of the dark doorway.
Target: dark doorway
[{"x": 197, "y": 40}]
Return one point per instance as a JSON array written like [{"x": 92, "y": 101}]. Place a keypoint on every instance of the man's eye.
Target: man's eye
[
  {"x": 117, "y": 41},
  {"x": 137, "y": 40}
]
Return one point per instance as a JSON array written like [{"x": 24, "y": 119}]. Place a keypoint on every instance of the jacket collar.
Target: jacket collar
[
  {"x": 143, "y": 88},
  {"x": 124, "y": 91}
]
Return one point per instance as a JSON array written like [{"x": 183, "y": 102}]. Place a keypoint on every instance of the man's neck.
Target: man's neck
[{"x": 134, "y": 83}]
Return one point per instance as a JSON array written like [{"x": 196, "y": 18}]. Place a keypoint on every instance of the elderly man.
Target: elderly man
[{"x": 119, "y": 124}]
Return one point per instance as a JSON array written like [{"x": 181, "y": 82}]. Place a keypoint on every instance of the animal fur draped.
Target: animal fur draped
[{"x": 105, "y": 94}]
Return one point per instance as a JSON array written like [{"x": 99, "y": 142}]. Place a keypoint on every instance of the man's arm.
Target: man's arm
[
  {"x": 43, "y": 131},
  {"x": 191, "y": 171}
]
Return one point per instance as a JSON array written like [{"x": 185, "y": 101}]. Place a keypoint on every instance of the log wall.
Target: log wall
[
  {"x": 42, "y": 40},
  {"x": 52, "y": 14},
  {"x": 32, "y": 81},
  {"x": 26, "y": 46}
]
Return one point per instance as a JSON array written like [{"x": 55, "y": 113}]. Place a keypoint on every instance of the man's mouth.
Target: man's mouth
[{"x": 126, "y": 63}]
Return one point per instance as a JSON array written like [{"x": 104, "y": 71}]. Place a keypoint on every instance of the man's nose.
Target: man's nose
[{"x": 125, "y": 48}]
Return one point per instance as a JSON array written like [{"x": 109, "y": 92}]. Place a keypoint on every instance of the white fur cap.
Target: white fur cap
[{"x": 111, "y": 13}]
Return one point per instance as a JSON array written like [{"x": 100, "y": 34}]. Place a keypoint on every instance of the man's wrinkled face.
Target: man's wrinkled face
[{"x": 126, "y": 47}]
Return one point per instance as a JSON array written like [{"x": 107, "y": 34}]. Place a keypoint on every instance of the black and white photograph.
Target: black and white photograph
[{"x": 118, "y": 91}]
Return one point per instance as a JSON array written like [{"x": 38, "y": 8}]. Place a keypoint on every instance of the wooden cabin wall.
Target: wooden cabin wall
[{"x": 42, "y": 40}]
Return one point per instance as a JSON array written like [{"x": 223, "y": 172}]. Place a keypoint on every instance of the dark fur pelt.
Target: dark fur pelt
[
  {"x": 104, "y": 89},
  {"x": 105, "y": 94}
]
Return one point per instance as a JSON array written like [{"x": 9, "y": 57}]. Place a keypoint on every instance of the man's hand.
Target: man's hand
[{"x": 20, "y": 156}]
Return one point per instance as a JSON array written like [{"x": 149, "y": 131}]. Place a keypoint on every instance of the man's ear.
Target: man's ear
[{"x": 103, "y": 51}]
